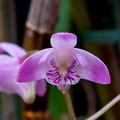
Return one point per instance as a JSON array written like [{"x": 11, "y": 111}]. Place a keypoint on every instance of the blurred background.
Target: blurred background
[{"x": 30, "y": 23}]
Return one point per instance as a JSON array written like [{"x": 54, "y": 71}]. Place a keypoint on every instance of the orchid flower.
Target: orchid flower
[
  {"x": 63, "y": 65},
  {"x": 11, "y": 57}
]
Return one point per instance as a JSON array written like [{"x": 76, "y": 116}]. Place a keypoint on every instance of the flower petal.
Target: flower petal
[
  {"x": 8, "y": 75},
  {"x": 6, "y": 60},
  {"x": 44, "y": 57},
  {"x": 30, "y": 69},
  {"x": 41, "y": 87},
  {"x": 80, "y": 58},
  {"x": 63, "y": 40},
  {"x": 12, "y": 49},
  {"x": 96, "y": 71},
  {"x": 6, "y": 90}
]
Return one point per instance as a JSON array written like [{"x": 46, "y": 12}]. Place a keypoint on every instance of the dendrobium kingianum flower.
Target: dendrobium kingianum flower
[
  {"x": 63, "y": 65},
  {"x": 11, "y": 57}
]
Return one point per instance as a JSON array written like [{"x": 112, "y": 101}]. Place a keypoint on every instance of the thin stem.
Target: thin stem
[
  {"x": 69, "y": 105},
  {"x": 105, "y": 108}
]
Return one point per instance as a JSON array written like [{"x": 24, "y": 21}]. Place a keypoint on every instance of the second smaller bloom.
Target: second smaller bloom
[{"x": 11, "y": 57}]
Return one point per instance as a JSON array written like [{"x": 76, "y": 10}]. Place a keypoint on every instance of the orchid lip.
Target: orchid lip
[{"x": 62, "y": 75}]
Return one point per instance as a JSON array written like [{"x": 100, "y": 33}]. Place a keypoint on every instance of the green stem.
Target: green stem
[
  {"x": 69, "y": 105},
  {"x": 105, "y": 108}
]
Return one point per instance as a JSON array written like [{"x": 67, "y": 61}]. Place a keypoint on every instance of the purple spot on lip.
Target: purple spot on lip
[{"x": 54, "y": 76}]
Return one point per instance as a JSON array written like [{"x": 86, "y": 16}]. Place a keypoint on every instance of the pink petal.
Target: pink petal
[
  {"x": 96, "y": 70},
  {"x": 82, "y": 60},
  {"x": 7, "y": 61},
  {"x": 63, "y": 39},
  {"x": 6, "y": 90},
  {"x": 8, "y": 75},
  {"x": 45, "y": 57},
  {"x": 13, "y": 87},
  {"x": 41, "y": 87},
  {"x": 12, "y": 49},
  {"x": 30, "y": 69}
]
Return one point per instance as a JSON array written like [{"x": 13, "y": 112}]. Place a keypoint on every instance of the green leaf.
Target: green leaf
[
  {"x": 64, "y": 23},
  {"x": 57, "y": 105}
]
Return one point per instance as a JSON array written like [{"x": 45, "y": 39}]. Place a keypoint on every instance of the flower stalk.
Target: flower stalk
[
  {"x": 69, "y": 105},
  {"x": 105, "y": 108}
]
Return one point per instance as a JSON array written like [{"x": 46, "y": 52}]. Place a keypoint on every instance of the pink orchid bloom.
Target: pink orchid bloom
[
  {"x": 63, "y": 65},
  {"x": 11, "y": 57}
]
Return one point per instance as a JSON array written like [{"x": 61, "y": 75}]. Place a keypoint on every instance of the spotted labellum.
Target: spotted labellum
[{"x": 63, "y": 65}]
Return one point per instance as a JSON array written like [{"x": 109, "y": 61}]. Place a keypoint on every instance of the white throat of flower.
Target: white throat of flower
[{"x": 63, "y": 70}]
